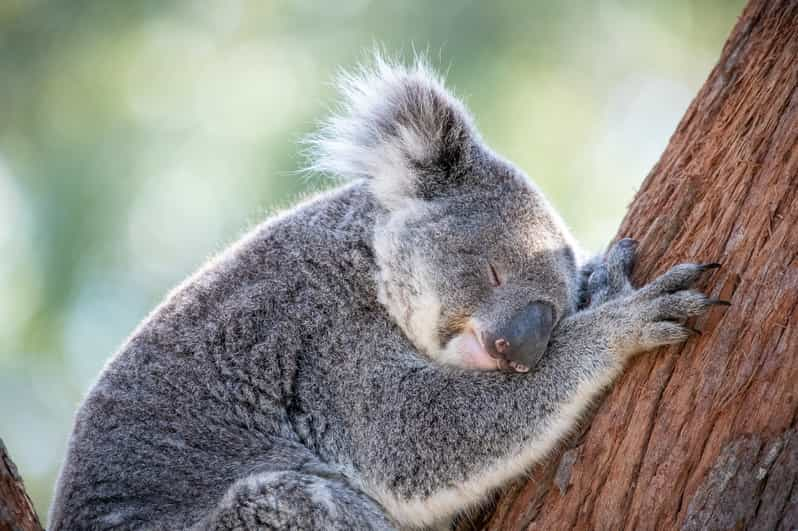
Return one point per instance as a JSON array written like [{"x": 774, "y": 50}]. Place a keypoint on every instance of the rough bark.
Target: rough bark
[
  {"x": 704, "y": 436},
  {"x": 16, "y": 509}
]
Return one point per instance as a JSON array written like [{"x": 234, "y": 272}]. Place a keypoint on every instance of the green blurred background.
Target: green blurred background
[{"x": 139, "y": 138}]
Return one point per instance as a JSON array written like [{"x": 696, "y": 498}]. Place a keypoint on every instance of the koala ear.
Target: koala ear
[{"x": 399, "y": 127}]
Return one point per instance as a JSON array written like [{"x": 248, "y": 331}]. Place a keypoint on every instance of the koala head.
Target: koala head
[{"x": 474, "y": 264}]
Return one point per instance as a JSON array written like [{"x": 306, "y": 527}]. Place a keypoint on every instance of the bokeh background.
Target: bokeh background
[{"x": 139, "y": 138}]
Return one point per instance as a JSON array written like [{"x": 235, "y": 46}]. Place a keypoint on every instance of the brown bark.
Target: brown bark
[
  {"x": 16, "y": 509},
  {"x": 704, "y": 436}
]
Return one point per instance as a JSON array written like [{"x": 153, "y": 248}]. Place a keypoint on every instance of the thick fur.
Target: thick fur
[{"x": 310, "y": 377}]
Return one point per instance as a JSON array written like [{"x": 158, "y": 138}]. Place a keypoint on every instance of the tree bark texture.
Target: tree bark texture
[
  {"x": 703, "y": 436},
  {"x": 16, "y": 509}
]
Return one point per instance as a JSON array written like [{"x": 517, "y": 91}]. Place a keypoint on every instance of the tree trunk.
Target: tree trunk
[
  {"x": 704, "y": 436},
  {"x": 16, "y": 509}
]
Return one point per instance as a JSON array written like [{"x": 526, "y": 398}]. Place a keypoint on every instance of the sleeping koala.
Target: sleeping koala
[{"x": 381, "y": 356}]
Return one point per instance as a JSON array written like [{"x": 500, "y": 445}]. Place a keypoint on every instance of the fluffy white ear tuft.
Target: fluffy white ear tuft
[{"x": 398, "y": 126}]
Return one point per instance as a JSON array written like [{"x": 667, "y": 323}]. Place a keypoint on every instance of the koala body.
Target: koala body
[{"x": 381, "y": 356}]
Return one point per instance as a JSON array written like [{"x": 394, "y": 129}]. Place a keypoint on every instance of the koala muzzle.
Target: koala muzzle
[{"x": 522, "y": 341}]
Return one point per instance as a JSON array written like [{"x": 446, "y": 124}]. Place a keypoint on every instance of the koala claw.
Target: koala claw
[
  {"x": 677, "y": 278},
  {"x": 719, "y": 302}
]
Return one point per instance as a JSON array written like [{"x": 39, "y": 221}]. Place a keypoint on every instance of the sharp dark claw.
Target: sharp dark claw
[
  {"x": 711, "y": 265},
  {"x": 718, "y": 302}
]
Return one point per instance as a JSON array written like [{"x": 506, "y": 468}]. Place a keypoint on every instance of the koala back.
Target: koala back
[{"x": 223, "y": 377}]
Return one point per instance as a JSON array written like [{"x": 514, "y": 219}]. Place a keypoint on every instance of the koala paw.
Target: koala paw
[
  {"x": 608, "y": 278},
  {"x": 655, "y": 315}
]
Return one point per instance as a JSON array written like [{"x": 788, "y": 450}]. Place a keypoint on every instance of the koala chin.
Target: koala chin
[{"x": 381, "y": 356}]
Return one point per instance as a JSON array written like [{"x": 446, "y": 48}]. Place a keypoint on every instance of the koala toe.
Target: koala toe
[
  {"x": 662, "y": 333},
  {"x": 679, "y": 306},
  {"x": 609, "y": 278},
  {"x": 679, "y": 277},
  {"x": 620, "y": 262},
  {"x": 598, "y": 283}
]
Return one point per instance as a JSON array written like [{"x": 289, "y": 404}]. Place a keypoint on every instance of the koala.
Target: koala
[{"x": 384, "y": 355}]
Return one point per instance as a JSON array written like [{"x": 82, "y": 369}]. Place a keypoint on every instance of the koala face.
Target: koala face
[
  {"x": 478, "y": 278},
  {"x": 474, "y": 265}
]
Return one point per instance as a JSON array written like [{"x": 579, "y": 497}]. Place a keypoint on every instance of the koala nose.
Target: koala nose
[{"x": 524, "y": 338}]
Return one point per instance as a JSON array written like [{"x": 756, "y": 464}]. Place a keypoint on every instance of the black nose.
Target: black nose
[{"x": 525, "y": 336}]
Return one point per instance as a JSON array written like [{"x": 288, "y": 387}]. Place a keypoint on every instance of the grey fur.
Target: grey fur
[{"x": 306, "y": 377}]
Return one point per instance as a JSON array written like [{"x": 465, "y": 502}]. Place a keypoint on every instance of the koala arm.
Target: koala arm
[
  {"x": 446, "y": 437},
  {"x": 443, "y": 438}
]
